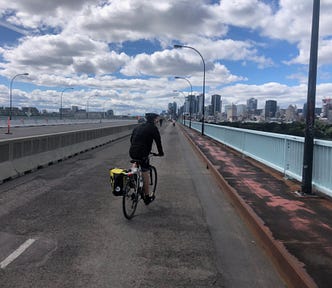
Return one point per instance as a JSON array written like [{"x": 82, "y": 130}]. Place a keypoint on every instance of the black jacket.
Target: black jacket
[{"x": 141, "y": 141}]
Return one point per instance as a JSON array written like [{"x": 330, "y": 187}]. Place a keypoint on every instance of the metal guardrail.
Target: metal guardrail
[{"x": 281, "y": 152}]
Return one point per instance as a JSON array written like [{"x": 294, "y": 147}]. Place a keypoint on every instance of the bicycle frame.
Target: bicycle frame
[{"x": 133, "y": 191}]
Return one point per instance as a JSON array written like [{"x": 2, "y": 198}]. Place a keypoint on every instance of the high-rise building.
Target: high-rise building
[
  {"x": 291, "y": 113},
  {"x": 74, "y": 109},
  {"x": 304, "y": 110},
  {"x": 270, "y": 108},
  {"x": 327, "y": 105},
  {"x": 190, "y": 104},
  {"x": 241, "y": 110},
  {"x": 215, "y": 104},
  {"x": 231, "y": 112},
  {"x": 252, "y": 105},
  {"x": 199, "y": 108},
  {"x": 172, "y": 110}
]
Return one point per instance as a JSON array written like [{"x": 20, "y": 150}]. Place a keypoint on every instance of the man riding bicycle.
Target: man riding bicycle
[{"x": 141, "y": 141}]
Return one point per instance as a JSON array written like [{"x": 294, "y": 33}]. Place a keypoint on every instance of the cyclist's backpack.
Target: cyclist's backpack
[{"x": 117, "y": 179}]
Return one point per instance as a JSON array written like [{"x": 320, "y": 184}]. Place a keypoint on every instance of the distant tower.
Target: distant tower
[
  {"x": 327, "y": 105},
  {"x": 172, "y": 109},
  {"x": 231, "y": 112},
  {"x": 215, "y": 104},
  {"x": 270, "y": 108},
  {"x": 252, "y": 105},
  {"x": 199, "y": 108}
]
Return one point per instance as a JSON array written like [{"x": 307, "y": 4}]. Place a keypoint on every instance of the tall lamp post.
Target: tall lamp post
[
  {"x": 67, "y": 88},
  {"x": 10, "y": 93},
  {"x": 203, "y": 108},
  {"x": 11, "y": 99},
  {"x": 191, "y": 93}
]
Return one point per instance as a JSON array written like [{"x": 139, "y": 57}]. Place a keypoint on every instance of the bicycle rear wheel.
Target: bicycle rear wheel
[
  {"x": 153, "y": 180},
  {"x": 130, "y": 198}
]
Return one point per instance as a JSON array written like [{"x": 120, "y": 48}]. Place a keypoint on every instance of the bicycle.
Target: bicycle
[{"x": 133, "y": 190}]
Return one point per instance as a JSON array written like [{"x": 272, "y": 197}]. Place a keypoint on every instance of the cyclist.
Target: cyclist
[{"x": 141, "y": 141}]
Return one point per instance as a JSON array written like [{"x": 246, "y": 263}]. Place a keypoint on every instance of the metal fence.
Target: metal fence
[{"x": 279, "y": 151}]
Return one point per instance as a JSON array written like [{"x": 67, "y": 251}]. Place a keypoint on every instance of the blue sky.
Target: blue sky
[{"x": 119, "y": 54}]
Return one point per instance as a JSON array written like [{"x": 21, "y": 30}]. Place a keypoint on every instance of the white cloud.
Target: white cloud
[
  {"x": 251, "y": 14},
  {"x": 120, "y": 21},
  {"x": 61, "y": 56},
  {"x": 69, "y": 45}
]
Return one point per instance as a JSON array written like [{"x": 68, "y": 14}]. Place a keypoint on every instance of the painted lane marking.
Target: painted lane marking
[{"x": 16, "y": 253}]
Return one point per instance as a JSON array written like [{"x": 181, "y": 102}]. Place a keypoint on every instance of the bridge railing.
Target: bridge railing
[{"x": 281, "y": 152}]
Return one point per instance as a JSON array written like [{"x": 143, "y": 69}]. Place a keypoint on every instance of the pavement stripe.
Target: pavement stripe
[{"x": 16, "y": 253}]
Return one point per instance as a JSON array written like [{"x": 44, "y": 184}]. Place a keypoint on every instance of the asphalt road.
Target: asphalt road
[{"x": 75, "y": 235}]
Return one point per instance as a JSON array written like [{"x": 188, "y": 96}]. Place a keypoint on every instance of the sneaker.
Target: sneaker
[{"x": 147, "y": 199}]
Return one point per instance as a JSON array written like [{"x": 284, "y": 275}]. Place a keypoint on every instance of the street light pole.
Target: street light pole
[
  {"x": 11, "y": 99},
  {"x": 61, "y": 100},
  {"x": 203, "y": 100},
  {"x": 191, "y": 94},
  {"x": 10, "y": 93},
  {"x": 311, "y": 99}
]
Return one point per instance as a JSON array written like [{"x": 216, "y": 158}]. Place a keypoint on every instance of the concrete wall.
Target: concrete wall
[{"x": 22, "y": 155}]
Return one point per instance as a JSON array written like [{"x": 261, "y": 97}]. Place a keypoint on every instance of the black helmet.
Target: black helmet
[{"x": 150, "y": 117}]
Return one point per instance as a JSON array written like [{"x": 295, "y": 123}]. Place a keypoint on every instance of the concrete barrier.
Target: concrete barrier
[{"x": 22, "y": 155}]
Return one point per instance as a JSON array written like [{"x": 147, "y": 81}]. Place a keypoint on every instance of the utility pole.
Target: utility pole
[{"x": 311, "y": 99}]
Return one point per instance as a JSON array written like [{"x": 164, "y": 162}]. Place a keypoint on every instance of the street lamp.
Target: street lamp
[
  {"x": 67, "y": 88},
  {"x": 10, "y": 93},
  {"x": 203, "y": 108},
  {"x": 11, "y": 99},
  {"x": 190, "y": 100}
]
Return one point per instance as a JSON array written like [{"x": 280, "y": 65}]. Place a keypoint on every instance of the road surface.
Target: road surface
[{"x": 61, "y": 227}]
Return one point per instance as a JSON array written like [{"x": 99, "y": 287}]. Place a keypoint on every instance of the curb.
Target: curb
[{"x": 289, "y": 267}]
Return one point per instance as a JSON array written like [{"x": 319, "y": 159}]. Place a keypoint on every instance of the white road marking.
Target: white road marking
[{"x": 16, "y": 253}]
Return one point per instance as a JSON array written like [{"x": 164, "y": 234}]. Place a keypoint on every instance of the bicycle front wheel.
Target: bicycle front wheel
[
  {"x": 130, "y": 199},
  {"x": 153, "y": 180}
]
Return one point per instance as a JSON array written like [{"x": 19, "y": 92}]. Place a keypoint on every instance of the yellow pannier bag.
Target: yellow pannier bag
[{"x": 117, "y": 179}]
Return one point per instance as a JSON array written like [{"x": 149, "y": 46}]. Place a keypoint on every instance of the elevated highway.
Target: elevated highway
[{"x": 75, "y": 235}]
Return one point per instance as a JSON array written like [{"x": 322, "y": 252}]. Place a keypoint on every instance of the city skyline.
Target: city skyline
[
  {"x": 120, "y": 54},
  {"x": 195, "y": 106}
]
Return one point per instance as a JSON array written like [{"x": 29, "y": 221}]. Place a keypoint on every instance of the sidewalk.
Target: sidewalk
[{"x": 296, "y": 231}]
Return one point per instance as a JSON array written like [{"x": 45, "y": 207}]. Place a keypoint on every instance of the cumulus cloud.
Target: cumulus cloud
[
  {"x": 83, "y": 43},
  {"x": 132, "y": 20},
  {"x": 251, "y": 14},
  {"x": 62, "y": 56}
]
